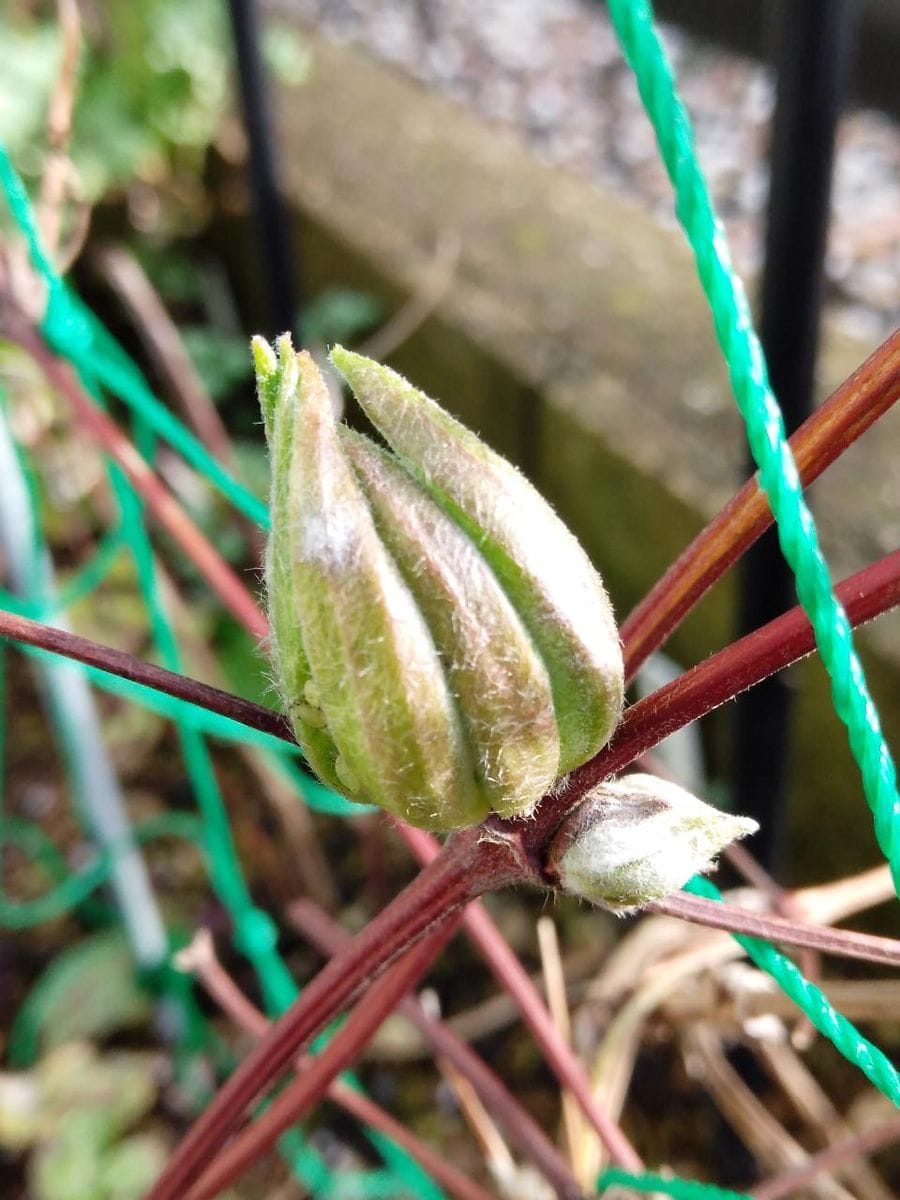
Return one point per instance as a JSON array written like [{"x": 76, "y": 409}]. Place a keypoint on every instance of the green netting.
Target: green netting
[
  {"x": 633, "y": 21},
  {"x": 681, "y": 1189},
  {"x": 75, "y": 333}
]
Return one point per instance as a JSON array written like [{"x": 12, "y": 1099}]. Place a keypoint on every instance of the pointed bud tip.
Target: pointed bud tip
[
  {"x": 359, "y": 372},
  {"x": 265, "y": 361},
  {"x": 639, "y": 839}
]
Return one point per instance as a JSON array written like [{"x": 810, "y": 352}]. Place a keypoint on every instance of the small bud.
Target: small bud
[
  {"x": 430, "y": 659},
  {"x": 639, "y": 839}
]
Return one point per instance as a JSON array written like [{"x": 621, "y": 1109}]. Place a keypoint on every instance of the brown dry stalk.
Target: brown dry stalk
[
  {"x": 57, "y": 173},
  {"x": 818, "y": 1113},
  {"x": 794, "y": 1180},
  {"x": 756, "y": 1126},
  {"x": 162, "y": 339}
]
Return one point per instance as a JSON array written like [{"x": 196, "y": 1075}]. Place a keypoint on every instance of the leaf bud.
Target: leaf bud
[{"x": 638, "y": 839}]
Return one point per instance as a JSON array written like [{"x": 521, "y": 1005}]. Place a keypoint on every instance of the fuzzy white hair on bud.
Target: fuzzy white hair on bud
[{"x": 638, "y": 839}]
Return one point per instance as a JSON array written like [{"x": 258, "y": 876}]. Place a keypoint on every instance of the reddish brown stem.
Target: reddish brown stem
[
  {"x": 794, "y": 1181},
  {"x": 126, "y": 666},
  {"x": 318, "y": 1072},
  {"x": 468, "y": 865},
  {"x": 223, "y": 989},
  {"x": 848, "y": 413},
  {"x": 512, "y": 975},
  {"x": 721, "y": 677},
  {"x": 159, "y": 500},
  {"x": 843, "y": 942},
  {"x": 783, "y": 903},
  {"x": 528, "y": 1137}
]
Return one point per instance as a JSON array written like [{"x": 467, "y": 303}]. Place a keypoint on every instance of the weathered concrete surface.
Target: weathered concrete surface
[{"x": 575, "y": 338}]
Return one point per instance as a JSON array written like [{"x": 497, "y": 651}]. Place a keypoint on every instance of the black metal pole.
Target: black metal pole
[
  {"x": 269, "y": 209},
  {"x": 812, "y": 54}
]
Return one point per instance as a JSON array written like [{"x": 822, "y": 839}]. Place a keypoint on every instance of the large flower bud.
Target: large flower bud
[
  {"x": 429, "y": 662},
  {"x": 637, "y": 839}
]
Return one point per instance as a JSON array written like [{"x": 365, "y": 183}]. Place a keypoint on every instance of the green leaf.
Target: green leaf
[{"x": 88, "y": 991}]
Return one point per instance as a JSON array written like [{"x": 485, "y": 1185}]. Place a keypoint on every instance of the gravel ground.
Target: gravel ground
[{"x": 550, "y": 70}]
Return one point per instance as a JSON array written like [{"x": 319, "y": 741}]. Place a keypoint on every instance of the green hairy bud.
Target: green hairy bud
[
  {"x": 442, "y": 643},
  {"x": 638, "y": 839}
]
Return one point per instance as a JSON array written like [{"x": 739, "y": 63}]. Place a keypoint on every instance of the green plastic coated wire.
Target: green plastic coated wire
[
  {"x": 633, "y": 21},
  {"x": 75, "y": 333},
  {"x": 72, "y": 889},
  {"x": 681, "y": 1189},
  {"x": 842, "y": 1034}
]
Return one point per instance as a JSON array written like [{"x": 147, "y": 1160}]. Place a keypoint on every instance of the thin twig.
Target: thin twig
[
  {"x": 496, "y": 1152},
  {"x": 161, "y": 337},
  {"x": 126, "y": 666},
  {"x": 57, "y": 167},
  {"x": 164, "y": 343},
  {"x": 815, "y": 1108},
  {"x": 771, "y": 1144},
  {"x": 557, "y": 1003},
  {"x": 201, "y": 959},
  {"x": 521, "y": 1129},
  {"x": 342, "y": 1049},
  {"x": 809, "y": 962},
  {"x": 845, "y": 942},
  {"x": 435, "y": 285},
  {"x": 222, "y": 579},
  {"x": 794, "y": 1180}
]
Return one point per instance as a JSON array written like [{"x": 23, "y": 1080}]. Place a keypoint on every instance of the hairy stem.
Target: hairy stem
[
  {"x": 844, "y": 942},
  {"x": 721, "y": 677},
  {"x": 560, "y": 1057},
  {"x": 126, "y": 666}
]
